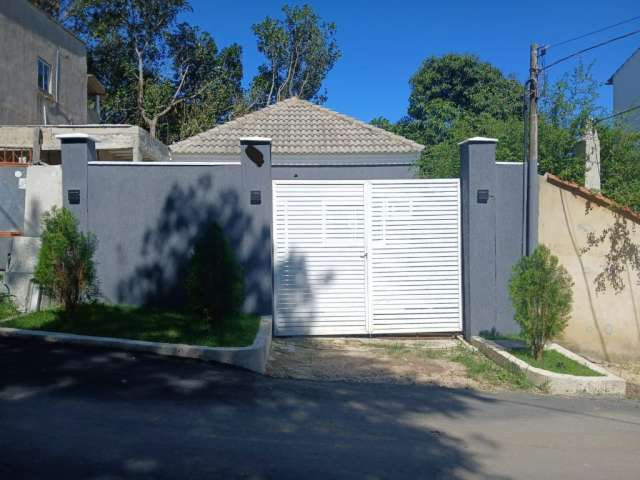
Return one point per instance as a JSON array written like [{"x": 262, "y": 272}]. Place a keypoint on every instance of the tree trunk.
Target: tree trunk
[{"x": 153, "y": 124}]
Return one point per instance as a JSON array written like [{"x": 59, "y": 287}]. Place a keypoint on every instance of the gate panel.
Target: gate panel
[
  {"x": 359, "y": 257},
  {"x": 319, "y": 258},
  {"x": 414, "y": 255}
]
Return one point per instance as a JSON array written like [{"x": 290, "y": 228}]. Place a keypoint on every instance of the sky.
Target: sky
[{"x": 384, "y": 42}]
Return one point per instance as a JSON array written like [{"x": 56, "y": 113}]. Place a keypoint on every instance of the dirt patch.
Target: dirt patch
[{"x": 444, "y": 362}]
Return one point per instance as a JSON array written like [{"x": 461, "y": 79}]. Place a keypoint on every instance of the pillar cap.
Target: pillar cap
[
  {"x": 255, "y": 140},
  {"x": 76, "y": 136},
  {"x": 479, "y": 140}
]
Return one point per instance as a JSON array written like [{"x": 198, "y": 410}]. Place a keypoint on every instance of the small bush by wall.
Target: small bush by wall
[
  {"x": 541, "y": 291},
  {"x": 214, "y": 280},
  {"x": 65, "y": 269}
]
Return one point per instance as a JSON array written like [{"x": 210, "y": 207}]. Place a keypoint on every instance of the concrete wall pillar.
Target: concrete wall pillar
[
  {"x": 256, "y": 201},
  {"x": 77, "y": 150},
  {"x": 478, "y": 189}
]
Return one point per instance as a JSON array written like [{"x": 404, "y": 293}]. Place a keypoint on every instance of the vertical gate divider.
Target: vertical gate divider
[{"x": 368, "y": 251}]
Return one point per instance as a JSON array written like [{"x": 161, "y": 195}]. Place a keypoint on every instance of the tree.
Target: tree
[
  {"x": 149, "y": 62},
  {"x": 541, "y": 291},
  {"x": 300, "y": 50},
  {"x": 65, "y": 269},
  {"x": 453, "y": 84}
]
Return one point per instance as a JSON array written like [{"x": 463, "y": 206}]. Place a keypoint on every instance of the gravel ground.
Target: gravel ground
[{"x": 383, "y": 360}]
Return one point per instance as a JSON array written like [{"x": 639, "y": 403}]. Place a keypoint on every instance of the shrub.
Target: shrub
[
  {"x": 7, "y": 307},
  {"x": 540, "y": 289},
  {"x": 214, "y": 281},
  {"x": 65, "y": 269}
]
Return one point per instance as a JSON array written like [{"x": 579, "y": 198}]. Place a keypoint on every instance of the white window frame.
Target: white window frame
[{"x": 49, "y": 69}]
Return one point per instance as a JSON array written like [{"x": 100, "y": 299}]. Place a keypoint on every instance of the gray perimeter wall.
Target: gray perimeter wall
[
  {"x": 509, "y": 238},
  {"x": 147, "y": 219},
  {"x": 328, "y": 167},
  {"x": 492, "y": 237}
]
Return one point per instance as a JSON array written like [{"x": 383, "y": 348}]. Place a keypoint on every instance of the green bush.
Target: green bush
[
  {"x": 540, "y": 289},
  {"x": 214, "y": 281},
  {"x": 65, "y": 270}
]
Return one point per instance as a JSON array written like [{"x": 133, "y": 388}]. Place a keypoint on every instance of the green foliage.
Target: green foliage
[
  {"x": 455, "y": 97},
  {"x": 619, "y": 164},
  {"x": 300, "y": 50},
  {"x": 448, "y": 86},
  {"x": 541, "y": 291},
  {"x": 214, "y": 281},
  {"x": 65, "y": 269},
  {"x": 182, "y": 69},
  {"x": 7, "y": 307}
]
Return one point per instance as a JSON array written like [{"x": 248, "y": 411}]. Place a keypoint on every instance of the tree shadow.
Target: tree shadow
[
  {"x": 104, "y": 414},
  {"x": 163, "y": 252}
]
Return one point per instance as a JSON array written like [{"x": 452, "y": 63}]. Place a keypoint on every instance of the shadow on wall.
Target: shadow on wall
[
  {"x": 351, "y": 430},
  {"x": 166, "y": 247}
]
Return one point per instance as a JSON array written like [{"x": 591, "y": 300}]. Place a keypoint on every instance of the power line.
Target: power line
[
  {"x": 618, "y": 114},
  {"x": 601, "y": 44},
  {"x": 580, "y": 37}
]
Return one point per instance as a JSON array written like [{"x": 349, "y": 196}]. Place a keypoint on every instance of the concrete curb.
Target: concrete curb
[
  {"x": 253, "y": 357},
  {"x": 556, "y": 383}
]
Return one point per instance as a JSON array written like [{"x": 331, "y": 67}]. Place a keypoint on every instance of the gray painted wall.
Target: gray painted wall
[
  {"x": 509, "y": 238},
  {"x": 492, "y": 236},
  {"x": 328, "y": 167},
  {"x": 147, "y": 217},
  {"x": 27, "y": 34},
  {"x": 12, "y": 198}
]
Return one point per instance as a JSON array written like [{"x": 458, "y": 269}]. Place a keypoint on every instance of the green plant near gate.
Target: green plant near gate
[
  {"x": 540, "y": 289},
  {"x": 65, "y": 269}
]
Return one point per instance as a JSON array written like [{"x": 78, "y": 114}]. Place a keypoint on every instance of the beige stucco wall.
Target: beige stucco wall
[{"x": 603, "y": 325}]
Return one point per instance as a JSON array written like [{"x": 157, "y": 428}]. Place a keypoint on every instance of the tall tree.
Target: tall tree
[
  {"x": 149, "y": 62},
  {"x": 300, "y": 50}
]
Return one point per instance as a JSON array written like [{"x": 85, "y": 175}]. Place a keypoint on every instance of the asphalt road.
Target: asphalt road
[{"x": 94, "y": 414}]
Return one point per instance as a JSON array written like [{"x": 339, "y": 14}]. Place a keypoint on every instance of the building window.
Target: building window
[{"x": 44, "y": 76}]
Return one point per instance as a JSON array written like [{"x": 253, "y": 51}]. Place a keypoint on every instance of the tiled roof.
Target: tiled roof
[{"x": 296, "y": 126}]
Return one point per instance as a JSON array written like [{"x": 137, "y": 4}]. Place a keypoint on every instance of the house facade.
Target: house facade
[
  {"x": 626, "y": 90},
  {"x": 43, "y": 69}
]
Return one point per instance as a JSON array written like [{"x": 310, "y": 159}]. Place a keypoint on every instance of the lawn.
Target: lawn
[
  {"x": 555, "y": 362},
  {"x": 142, "y": 324}
]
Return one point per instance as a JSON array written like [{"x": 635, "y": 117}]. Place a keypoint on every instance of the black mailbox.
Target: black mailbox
[
  {"x": 256, "y": 197},
  {"x": 73, "y": 196},
  {"x": 483, "y": 196}
]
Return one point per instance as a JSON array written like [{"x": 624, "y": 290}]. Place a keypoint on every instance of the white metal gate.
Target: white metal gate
[{"x": 360, "y": 257}]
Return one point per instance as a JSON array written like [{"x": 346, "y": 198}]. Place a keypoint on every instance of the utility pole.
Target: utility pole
[{"x": 532, "y": 161}]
